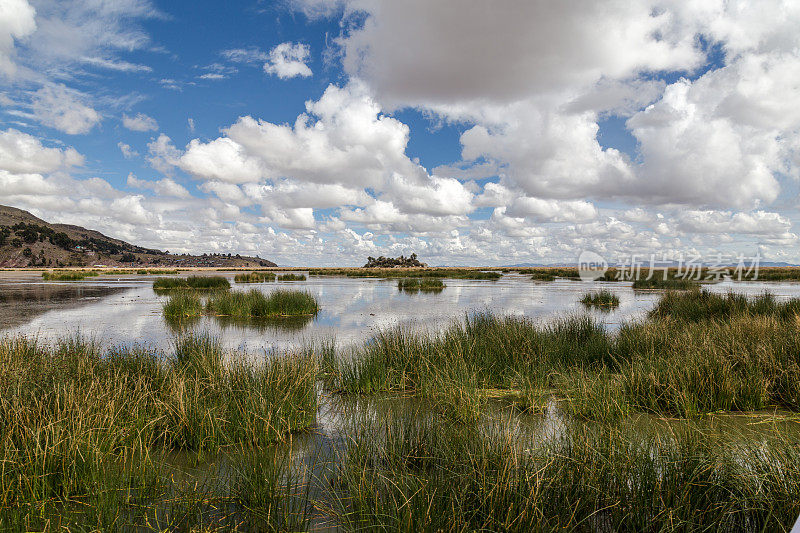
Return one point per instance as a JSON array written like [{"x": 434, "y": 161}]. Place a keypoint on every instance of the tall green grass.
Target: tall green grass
[
  {"x": 668, "y": 283},
  {"x": 602, "y": 298},
  {"x": 254, "y": 304},
  {"x": 84, "y": 433},
  {"x": 254, "y": 277},
  {"x": 412, "y": 472},
  {"x": 292, "y": 277},
  {"x": 424, "y": 285},
  {"x": 693, "y": 355},
  {"x": 192, "y": 282}
]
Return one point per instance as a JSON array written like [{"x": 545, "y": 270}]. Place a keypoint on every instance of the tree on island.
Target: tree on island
[{"x": 396, "y": 262}]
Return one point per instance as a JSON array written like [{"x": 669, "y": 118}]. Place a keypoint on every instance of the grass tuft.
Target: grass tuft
[
  {"x": 192, "y": 282},
  {"x": 602, "y": 299},
  {"x": 254, "y": 277}
]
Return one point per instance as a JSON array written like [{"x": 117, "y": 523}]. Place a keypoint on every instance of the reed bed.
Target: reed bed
[
  {"x": 254, "y": 277},
  {"x": 602, "y": 298},
  {"x": 254, "y": 304},
  {"x": 85, "y": 434},
  {"x": 292, "y": 277},
  {"x": 192, "y": 282},
  {"x": 413, "y": 472},
  {"x": 451, "y": 273},
  {"x": 434, "y": 285},
  {"x": 68, "y": 275},
  {"x": 691, "y": 356},
  {"x": 662, "y": 283}
]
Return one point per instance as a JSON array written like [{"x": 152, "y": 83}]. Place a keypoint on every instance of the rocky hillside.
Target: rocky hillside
[{"x": 28, "y": 241}]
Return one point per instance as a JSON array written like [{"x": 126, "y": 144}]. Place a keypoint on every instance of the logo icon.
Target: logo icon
[{"x": 591, "y": 266}]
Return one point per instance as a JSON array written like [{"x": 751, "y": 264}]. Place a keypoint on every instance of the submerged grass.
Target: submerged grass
[
  {"x": 414, "y": 473},
  {"x": 192, "y": 282},
  {"x": 696, "y": 353},
  {"x": 602, "y": 298},
  {"x": 292, "y": 277},
  {"x": 68, "y": 275},
  {"x": 425, "y": 285},
  {"x": 662, "y": 283},
  {"x": 84, "y": 433},
  {"x": 452, "y": 273},
  {"x": 254, "y": 304},
  {"x": 254, "y": 277}
]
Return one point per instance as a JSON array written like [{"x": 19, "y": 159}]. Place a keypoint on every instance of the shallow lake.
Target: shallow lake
[{"x": 125, "y": 309}]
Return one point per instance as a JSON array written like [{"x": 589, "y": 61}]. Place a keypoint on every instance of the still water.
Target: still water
[{"x": 125, "y": 310}]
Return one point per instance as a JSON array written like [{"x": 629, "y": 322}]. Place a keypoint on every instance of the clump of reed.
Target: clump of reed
[
  {"x": 705, "y": 305},
  {"x": 68, "y": 275},
  {"x": 435, "y": 285},
  {"x": 182, "y": 304},
  {"x": 602, "y": 298},
  {"x": 551, "y": 273},
  {"x": 410, "y": 470},
  {"x": 192, "y": 282},
  {"x": 292, "y": 277},
  {"x": 696, "y": 353},
  {"x": 84, "y": 433},
  {"x": 661, "y": 283},
  {"x": 254, "y": 304},
  {"x": 254, "y": 277}
]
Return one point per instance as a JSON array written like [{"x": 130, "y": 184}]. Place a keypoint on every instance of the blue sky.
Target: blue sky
[{"x": 322, "y": 131}]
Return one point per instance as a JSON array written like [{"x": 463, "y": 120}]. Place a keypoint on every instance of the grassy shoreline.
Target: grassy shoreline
[{"x": 87, "y": 435}]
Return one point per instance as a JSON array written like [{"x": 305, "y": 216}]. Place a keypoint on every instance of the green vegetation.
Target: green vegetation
[
  {"x": 451, "y": 273},
  {"x": 411, "y": 470},
  {"x": 416, "y": 285},
  {"x": 192, "y": 282},
  {"x": 254, "y": 277},
  {"x": 696, "y": 353},
  {"x": 68, "y": 275},
  {"x": 254, "y": 304},
  {"x": 183, "y": 304},
  {"x": 86, "y": 437},
  {"x": 657, "y": 282},
  {"x": 603, "y": 298},
  {"x": 292, "y": 277}
]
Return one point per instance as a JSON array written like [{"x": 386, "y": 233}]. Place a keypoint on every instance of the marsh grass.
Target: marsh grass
[
  {"x": 696, "y": 353},
  {"x": 83, "y": 432},
  {"x": 183, "y": 304},
  {"x": 292, "y": 277},
  {"x": 434, "y": 285},
  {"x": 68, "y": 275},
  {"x": 603, "y": 298},
  {"x": 254, "y": 304},
  {"x": 254, "y": 277},
  {"x": 192, "y": 282},
  {"x": 705, "y": 305},
  {"x": 411, "y": 472},
  {"x": 451, "y": 273},
  {"x": 669, "y": 283}
]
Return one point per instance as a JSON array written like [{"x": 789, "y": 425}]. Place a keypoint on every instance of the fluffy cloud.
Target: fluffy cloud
[
  {"x": 288, "y": 60},
  {"x": 162, "y": 187},
  {"x": 16, "y": 22},
  {"x": 140, "y": 122},
  {"x": 461, "y": 50},
  {"x": 64, "y": 109},
  {"x": 340, "y": 147},
  {"x": 21, "y": 153}
]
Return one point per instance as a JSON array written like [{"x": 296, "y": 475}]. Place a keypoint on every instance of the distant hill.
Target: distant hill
[{"x": 28, "y": 241}]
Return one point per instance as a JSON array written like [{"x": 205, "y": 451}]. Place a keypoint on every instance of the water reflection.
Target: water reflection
[{"x": 126, "y": 311}]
